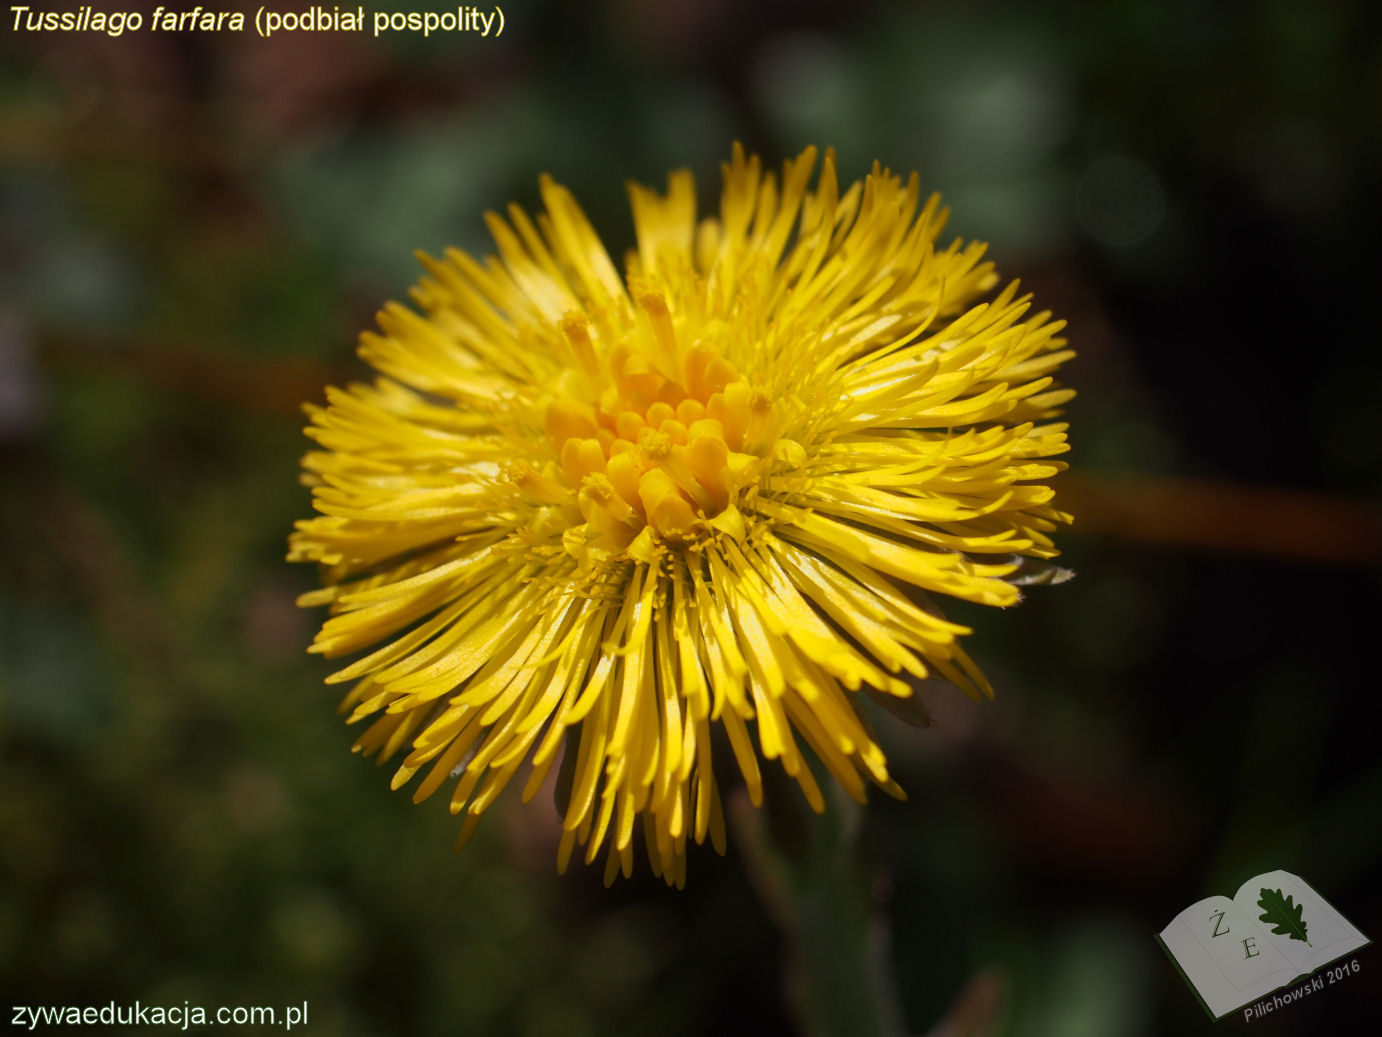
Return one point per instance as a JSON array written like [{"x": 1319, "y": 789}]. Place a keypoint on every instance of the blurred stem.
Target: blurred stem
[{"x": 808, "y": 871}]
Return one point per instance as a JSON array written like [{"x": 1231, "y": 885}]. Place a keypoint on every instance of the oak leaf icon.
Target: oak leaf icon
[{"x": 1283, "y": 914}]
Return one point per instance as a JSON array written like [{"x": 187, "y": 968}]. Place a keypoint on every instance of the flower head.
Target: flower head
[{"x": 609, "y": 513}]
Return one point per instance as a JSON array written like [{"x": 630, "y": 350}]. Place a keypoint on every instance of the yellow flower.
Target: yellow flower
[{"x": 609, "y": 512}]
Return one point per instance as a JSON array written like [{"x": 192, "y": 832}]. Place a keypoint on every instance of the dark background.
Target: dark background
[{"x": 195, "y": 227}]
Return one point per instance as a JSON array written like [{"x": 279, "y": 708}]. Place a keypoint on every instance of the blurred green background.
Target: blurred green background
[{"x": 195, "y": 227}]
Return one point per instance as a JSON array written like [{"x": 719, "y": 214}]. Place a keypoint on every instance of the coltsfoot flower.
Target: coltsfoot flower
[{"x": 608, "y": 513}]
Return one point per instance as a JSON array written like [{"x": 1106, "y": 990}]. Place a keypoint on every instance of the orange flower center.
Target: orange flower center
[{"x": 662, "y": 449}]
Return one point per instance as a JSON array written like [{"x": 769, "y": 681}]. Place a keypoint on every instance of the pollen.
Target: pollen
[{"x": 663, "y": 435}]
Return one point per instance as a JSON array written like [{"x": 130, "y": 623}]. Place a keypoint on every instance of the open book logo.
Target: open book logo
[{"x": 1274, "y": 931}]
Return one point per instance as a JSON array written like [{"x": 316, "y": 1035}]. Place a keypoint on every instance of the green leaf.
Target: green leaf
[
  {"x": 1284, "y": 915},
  {"x": 910, "y": 710},
  {"x": 566, "y": 770}
]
